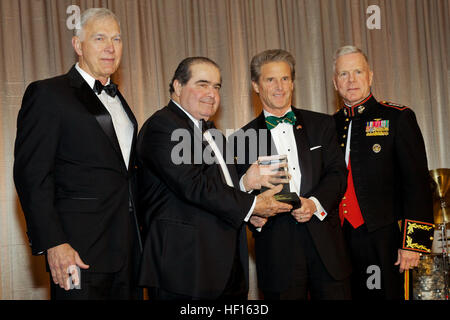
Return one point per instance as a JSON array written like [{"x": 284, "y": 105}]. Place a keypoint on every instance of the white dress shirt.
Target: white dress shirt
[
  {"x": 219, "y": 157},
  {"x": 347, "y": 148},
  {"x": 122, "y": 124},
  {"x": 284, "y": 140}
]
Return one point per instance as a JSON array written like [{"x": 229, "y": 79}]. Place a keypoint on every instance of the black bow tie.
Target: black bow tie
[
  {"x": 110, "y": 89},
  {"x": 206, "y": 125}
]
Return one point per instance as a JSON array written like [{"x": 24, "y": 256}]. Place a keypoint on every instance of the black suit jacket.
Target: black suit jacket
[
  {"x": 193, "y": 221},
  {"x": 70, "y": 175},
  {"x": 323, "y": 175}
]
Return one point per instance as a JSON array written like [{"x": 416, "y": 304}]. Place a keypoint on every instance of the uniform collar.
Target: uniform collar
[{"x": 360, "y": 107}]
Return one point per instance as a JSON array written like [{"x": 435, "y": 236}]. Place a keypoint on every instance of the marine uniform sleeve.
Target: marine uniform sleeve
[{"x": 415, "y": 185}]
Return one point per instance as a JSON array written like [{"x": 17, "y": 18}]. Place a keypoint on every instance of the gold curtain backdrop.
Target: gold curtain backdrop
[{"x": 409, "y": 54}]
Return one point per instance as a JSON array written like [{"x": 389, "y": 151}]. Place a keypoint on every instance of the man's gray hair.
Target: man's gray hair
[
  {"x": 347, "y": 50},
  {"x": 275, "y": 55},
  {"x": 93, "y": 13}
]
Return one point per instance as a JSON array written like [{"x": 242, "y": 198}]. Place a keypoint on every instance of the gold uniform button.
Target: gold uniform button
[
  {"x": 344, "y": 204},
  {"x": 344, "y": 136},
  {"x": 342, "y": 144},
  {"x": 345, "y": 211},
  {"x": 344, "y": 198}
]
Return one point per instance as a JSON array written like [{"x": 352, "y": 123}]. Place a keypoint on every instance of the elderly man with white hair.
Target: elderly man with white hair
[
  {"x": 388, "y": 182},
  {"x": 74, "y": 170}
]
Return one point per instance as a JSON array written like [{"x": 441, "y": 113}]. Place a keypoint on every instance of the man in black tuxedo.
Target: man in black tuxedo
[
  {"x": 388, "y": 181},
  {"x": 195, "y": 237},
  {"x": 302, "y": 250},
  {"x": 74, "y": 170}
]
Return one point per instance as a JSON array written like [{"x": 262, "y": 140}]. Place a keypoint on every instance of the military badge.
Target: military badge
[
  {"x": 361, "y": 109},
  {"x": 376, "y": 148},
  {"x": 377, "y": 127}
]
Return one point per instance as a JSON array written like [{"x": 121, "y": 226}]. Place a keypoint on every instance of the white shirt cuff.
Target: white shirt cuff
[
  {"x": 250, "y": 212},
  {"x": 247, "y": 218},
  {"x": 320, "y": 212},
  {"x": 241, "y": 185}
]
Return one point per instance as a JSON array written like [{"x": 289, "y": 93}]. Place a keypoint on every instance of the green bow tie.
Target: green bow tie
[{"x": 272, "y": 122}]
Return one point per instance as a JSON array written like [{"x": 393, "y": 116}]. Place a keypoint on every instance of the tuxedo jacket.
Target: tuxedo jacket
[
  {"x": 193, "y": 221},
  {"x": 323, "y": 175},
  {"x": 71, "y": 178},
  {"x": 389, "y": 169}
]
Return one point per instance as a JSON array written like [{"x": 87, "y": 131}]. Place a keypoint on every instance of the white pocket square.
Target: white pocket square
[{"x": 314, "y": 148}]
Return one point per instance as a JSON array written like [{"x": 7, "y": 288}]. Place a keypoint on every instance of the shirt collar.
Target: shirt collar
[
  {"x": 87, "y": 77},
  {"x": 195, "y": 121},
  {"x": 268, "y": 114}
]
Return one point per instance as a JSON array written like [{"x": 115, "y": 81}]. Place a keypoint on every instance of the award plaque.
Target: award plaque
[{"x": 273, "y": 164}]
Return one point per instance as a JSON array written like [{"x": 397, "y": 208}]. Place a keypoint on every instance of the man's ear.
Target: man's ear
[
  {"x": 334, "y": 83},
  {"x": 255, "y": 87},
  {"x": 177, "y": 86},
  {"x": 76, "y": 44}
]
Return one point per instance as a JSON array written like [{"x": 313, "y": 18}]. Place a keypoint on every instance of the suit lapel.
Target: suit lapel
[
  {"x": 197, "y": 135},
  {"x": 266, "y": 145},
  {"x": 187, "y": 122},
  {"x": 91, "y": 102},
  {"x": 231, "y": 166},
  {"x": 304, "y": 154}
]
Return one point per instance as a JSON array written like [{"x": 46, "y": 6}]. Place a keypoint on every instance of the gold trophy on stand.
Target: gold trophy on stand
[
  {"x": 431, "y": 281},
  {"x": 441, "y": 197}
]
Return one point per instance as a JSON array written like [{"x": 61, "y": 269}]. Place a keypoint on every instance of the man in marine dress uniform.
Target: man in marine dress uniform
[{"x": 388, "y": 181}]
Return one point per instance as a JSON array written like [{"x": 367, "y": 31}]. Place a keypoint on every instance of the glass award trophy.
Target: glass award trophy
[{"x": 270, "y": 165}]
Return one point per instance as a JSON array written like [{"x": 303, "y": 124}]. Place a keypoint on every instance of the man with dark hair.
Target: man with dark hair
[
  {"x": 302, "y": 250},
  {"x": 388, "y": 181},
  {"x": 74, "y": 170},
  {"x": 195, "y": 237},
  {"x": 183, "y": 73}
]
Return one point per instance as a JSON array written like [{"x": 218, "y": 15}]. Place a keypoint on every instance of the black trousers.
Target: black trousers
[
  {"x": 311, "y": 278},
  {"x": 372, "y": 252},
  {"x": 120, "y": 285},
  {"x": 100, "y": 286},
  {"x": 235, "y": 289}
]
